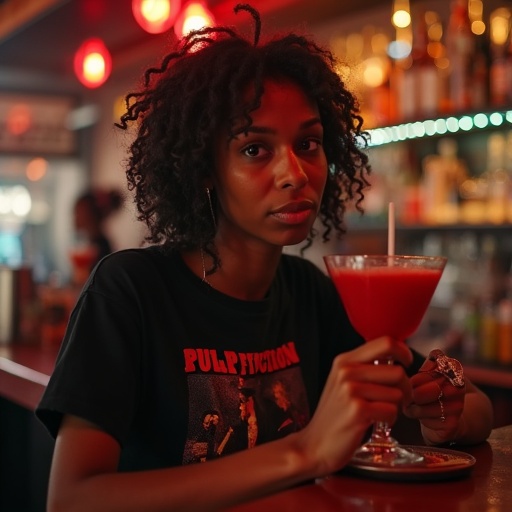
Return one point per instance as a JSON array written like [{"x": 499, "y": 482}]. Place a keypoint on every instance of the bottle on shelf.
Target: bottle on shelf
[
  {"x": 479, "y": 92},
  {"x": 377, "y": 78},
  {"x": 375, "y": 73},
  {"x": 500, "y": 72},
  {"x": 488, "y": 330},
  {"x": 508, "y": 170},
  {"x": 442, "y": 175},
  {"x": 402, "y": 86},
  {"x": 504, "y": 343},
  {"x": 424, "y": 69},
  {"x": 497, "y": 179},
  {"x": 488, "y": 288},
  {"x": 460, "y": 47}
]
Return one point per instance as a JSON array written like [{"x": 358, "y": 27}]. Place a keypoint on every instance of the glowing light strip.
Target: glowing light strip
[{"x": 436, "y": 127}]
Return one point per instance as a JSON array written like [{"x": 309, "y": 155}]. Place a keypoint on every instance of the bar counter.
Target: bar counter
[
  {"x": 25, "y": 446},
  {"x": 24, "y": 372},
  {"x": 488, "y": 488}
]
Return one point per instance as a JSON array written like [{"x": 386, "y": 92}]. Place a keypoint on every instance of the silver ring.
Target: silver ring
[
  {"x": 440, "y": 401},
  {"x": 448, "y": 367},
  {"x": 439, "y": 397}
]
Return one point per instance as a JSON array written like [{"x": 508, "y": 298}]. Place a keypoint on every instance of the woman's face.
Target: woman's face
[{"x": 270, "y": 180}]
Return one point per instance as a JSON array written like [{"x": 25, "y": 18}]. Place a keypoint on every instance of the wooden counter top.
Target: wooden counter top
[
  {"x": 486, "y": 375},
  {"x": 486, "y": 489},
  {"x": 24, "y": 373}
]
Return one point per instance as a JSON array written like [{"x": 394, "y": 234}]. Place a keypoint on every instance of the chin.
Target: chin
[{"x": 295, "y": 240}]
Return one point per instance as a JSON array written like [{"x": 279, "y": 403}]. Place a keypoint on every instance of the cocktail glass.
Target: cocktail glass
[{"x": 385, "y": 296}]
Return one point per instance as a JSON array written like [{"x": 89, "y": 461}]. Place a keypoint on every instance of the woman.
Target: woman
[
  {"x": 90, "y": 212},
  {"x": 239, "y": 147}
]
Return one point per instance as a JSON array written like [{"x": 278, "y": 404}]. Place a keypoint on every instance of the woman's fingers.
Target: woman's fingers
[
  {"x": 379, "y": 349},
  {"x": 428, "y": 386},
  {"x": 436, "y": 403},
  {"x": 357, "y": 393}
]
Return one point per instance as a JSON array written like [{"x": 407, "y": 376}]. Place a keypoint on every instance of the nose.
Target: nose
[{"x": 290, "y": 172}]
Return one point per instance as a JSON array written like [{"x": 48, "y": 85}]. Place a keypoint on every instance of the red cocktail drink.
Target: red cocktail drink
[
  {"x": 385, "y": 300},
  {"x": 385, "y": 296}
]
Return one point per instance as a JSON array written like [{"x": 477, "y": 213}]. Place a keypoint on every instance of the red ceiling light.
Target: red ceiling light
[
  {"x": 93, "y": 63},
  {"x": 156, "y": 16},
  {"x": 194, "y": 16}
]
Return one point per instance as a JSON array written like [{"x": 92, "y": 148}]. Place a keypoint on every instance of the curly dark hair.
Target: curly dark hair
[{"x": 196, "y": 93}]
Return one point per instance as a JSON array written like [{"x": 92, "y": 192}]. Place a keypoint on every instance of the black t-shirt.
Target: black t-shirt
[{"x": 178, "y": 372}]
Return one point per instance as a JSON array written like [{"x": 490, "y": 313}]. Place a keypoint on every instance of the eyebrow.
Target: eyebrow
[{"x": 261, "y": 129}]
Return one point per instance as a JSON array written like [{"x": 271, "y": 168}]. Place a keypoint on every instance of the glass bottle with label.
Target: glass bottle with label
[
  {"x": 425, "y": 71},
  {"x": 460, "y": 46}
]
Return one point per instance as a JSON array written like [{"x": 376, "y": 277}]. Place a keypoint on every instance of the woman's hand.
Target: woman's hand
[
  {"x": 357, "y": 394},
  {"x": 438, "y": 404}
]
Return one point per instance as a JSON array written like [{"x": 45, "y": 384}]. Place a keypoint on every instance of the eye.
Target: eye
[
  {"x": 310, "y": 145},
  {"x": 254, "y": 151}
]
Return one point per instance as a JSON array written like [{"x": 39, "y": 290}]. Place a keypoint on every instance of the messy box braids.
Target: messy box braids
[{"x": 196, "y": 93}]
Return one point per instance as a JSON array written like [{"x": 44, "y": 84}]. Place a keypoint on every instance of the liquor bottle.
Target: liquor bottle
[
  {"x": 501, "y": 58},
  {"x": 488, "y": 288},
  {"x": 460, "y": 48},
  {"x": 377, "y": 78},
  {"x": 480, "y": 74},
  {"x": 508, "y": 170},
  {"x": 376, "y": 97},
  {"x": 425, "y": 72},
  {"x": 497, "y": 179},
  {"x": 508, "y": 69},
  {"x": 504, "y": 343},
  {"x": 403, "y": 87},
  {"x": 442, "y": 175},
  {"x": 489, "y": 330}
]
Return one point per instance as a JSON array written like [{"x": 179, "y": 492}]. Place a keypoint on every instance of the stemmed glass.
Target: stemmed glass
[{"x": 385, "y": 295}]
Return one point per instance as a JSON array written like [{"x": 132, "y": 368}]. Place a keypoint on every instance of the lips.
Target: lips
[{"x": 295, "y": 212}]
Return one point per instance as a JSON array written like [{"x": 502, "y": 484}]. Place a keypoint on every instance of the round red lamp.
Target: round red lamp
[
  {"x": 156, "y": 16},
  {"x": 93, "y": 63},
  {"x": 194, "y": 16}
]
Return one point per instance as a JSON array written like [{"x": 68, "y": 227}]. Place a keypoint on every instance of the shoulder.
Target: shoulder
[
  {"x": 130, "y": 268},
  {"x": 141, "y": 259},
  {"x": 133, "y": 255}
]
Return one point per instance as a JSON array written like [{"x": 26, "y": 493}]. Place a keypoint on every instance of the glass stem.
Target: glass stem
[{"x": 381, "y": 433}]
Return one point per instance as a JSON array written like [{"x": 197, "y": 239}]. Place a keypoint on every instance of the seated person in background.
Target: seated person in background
[{"x": 90, "y": 212}]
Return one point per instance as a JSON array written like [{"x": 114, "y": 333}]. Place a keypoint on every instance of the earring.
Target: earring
[{"x": 211, "y": 207}]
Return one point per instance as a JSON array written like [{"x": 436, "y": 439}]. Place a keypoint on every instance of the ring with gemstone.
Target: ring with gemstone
[{"x": 448, "y": 367}]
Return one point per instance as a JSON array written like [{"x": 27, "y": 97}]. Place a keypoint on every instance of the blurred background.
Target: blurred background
[{"x": 434, "y": 80}]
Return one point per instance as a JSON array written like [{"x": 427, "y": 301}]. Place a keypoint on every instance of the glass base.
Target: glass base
[{"x": 385, "y": 453}]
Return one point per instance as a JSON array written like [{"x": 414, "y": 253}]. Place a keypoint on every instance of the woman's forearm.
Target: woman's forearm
[{"x": 209, "y": 486}]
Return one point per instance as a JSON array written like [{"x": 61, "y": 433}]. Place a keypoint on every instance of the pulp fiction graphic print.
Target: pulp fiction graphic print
[{"x": 239, "y": 400}]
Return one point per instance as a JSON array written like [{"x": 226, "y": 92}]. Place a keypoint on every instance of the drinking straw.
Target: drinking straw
[{"x": 391, "y": 229}]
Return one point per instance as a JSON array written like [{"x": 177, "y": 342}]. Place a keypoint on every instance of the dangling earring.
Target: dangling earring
[{"x": 211, "y": 207}]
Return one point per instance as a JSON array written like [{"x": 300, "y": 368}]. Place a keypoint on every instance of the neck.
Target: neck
[{"x": 243, "y": 274}]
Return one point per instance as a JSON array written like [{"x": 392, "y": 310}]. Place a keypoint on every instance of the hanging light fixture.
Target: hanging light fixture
[
  {"x": 194, "y": 16},
  {"x": 93, "y": 63},
  {"x": 156, "y": 16}
]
